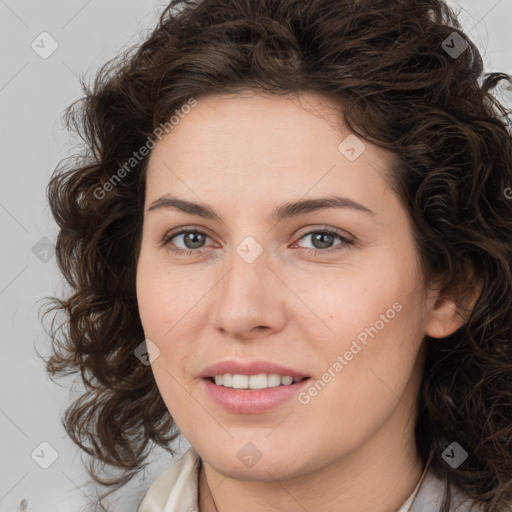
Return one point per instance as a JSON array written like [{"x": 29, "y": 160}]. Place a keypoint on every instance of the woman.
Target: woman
[{"x": 291, "y": 242}]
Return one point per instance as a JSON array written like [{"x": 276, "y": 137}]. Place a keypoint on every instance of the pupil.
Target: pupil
[
  {"x": 318, "y": 237},
  {"x": 193, "y": 240}
]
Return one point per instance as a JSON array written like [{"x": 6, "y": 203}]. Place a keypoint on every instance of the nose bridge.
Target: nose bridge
[
  {"x": 245, "y": 297},
  {"x": 247, "y": 279}
]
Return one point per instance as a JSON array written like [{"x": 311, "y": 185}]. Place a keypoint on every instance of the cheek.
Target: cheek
[
  {"x": 337, "y": 305},
  {"x": 149, "y": 296},
  {"x": 373, "y": 317},
  {"x": 159, "y": 309},
  {"x": 164, "y": 294},
  {"x": 169, "y": 303},
  {"x": 373, "y": 356}
]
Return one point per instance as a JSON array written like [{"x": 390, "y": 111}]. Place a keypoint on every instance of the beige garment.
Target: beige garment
[{"x": 176, "y": 490}]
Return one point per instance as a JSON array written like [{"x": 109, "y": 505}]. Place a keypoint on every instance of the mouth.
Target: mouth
[{"x": 253, "y": 387}]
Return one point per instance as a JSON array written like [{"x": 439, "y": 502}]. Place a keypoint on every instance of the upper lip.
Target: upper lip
[{"x": 249, "y": 368}]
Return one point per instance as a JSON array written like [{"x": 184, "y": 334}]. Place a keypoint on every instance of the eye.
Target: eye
[
  {"x": 191, "y": 241},
  {"x": 323, "y": 239},
  {"x": 188, "y": 241}
]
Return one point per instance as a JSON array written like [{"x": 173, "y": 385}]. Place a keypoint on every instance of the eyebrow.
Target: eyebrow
[{"x": 284, "y": 211}]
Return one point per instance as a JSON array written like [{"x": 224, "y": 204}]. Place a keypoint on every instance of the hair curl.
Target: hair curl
[{"x": 384, "y": 62}]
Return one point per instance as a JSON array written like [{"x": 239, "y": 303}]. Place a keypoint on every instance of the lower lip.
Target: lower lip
[{"x": 252, "y": 401}]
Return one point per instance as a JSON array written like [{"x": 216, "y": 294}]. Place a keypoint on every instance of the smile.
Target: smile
[{"x": 260, "y": 381}]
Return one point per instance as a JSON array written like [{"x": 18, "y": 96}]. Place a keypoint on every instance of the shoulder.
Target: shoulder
[
  {"x": 431, "y": 493},
  {"x": 176, "y": 488}
]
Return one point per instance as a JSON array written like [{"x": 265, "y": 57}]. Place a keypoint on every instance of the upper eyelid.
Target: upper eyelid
[
  {"x": 336, "y": 231},
  {"x": 182, "y": 231}
]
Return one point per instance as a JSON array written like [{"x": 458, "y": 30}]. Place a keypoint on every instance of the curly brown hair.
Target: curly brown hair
[{"x": 389, "y": 65}]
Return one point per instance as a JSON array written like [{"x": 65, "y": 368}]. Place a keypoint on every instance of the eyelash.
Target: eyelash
[{"x": 309, "y": 251}]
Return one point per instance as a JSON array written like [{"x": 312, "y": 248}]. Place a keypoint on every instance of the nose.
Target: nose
[{"x": 250, "y": 300}]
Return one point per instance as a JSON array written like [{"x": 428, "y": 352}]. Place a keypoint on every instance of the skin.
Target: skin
[{"x": 351, "y": 447}]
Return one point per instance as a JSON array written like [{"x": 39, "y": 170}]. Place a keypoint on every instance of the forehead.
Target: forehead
[{"x": 263, "y": 145}]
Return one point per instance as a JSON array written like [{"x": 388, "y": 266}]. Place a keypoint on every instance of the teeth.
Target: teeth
[
  {"x": 286, "y": 380},
  {"x": 257, "y": 381},
  {"x": 273, "y": 380},
  {"x": 260, "y": 381},
  {"x": 240, "y": 381}
]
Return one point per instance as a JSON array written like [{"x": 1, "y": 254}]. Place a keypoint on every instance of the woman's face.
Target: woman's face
[{"x": 302, "y": 265}]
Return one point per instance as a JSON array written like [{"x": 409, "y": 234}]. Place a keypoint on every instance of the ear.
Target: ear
[{"x": 450, "y": 309}]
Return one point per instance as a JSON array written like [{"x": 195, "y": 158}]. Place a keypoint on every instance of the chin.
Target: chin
[
  {"x": 252, "y": 464},
  {"x": 262, "y": 471}
]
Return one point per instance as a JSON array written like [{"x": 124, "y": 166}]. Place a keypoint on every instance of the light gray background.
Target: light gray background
[{"x": 33, "y": 94}]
